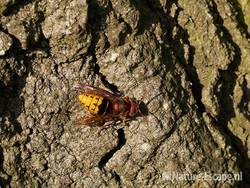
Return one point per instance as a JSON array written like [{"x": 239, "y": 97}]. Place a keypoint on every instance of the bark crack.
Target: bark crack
[{"x": 121, "y": 141}]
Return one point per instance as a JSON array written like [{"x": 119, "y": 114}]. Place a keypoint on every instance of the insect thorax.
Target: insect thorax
[{"x": 95, "y": 104}]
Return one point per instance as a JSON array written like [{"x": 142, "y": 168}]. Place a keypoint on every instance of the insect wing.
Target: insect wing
[
  {"x": 95, "y": 90},
  {"x": 93, "y": 120},
  {"x": 90, "y": 120}
]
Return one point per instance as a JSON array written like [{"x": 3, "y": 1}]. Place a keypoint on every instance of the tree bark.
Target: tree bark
[{"x": 189, "y": 60}]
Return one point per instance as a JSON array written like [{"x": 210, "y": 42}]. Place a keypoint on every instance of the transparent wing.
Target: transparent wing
[
  {"x": 94, "y": 120},
  {"x": 95, "y": 90}
]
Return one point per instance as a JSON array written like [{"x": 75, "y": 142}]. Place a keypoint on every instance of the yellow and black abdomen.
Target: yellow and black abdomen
[{"x": 95, "y": 104}]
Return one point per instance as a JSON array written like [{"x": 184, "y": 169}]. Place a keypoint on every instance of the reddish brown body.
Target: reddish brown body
[
  {"x": 125, "y": 107},
  {"x": 112, "y": 108}
]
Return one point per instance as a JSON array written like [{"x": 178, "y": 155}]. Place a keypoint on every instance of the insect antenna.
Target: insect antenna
[
  {"x": 154, "y": 97},
  {"x": 144, "y": 106}
]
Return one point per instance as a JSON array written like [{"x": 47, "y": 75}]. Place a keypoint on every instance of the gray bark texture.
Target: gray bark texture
[{"x": 188, "y": 59}]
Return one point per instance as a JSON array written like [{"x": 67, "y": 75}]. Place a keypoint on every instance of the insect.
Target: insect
[{"x": 103, "y": 106}]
